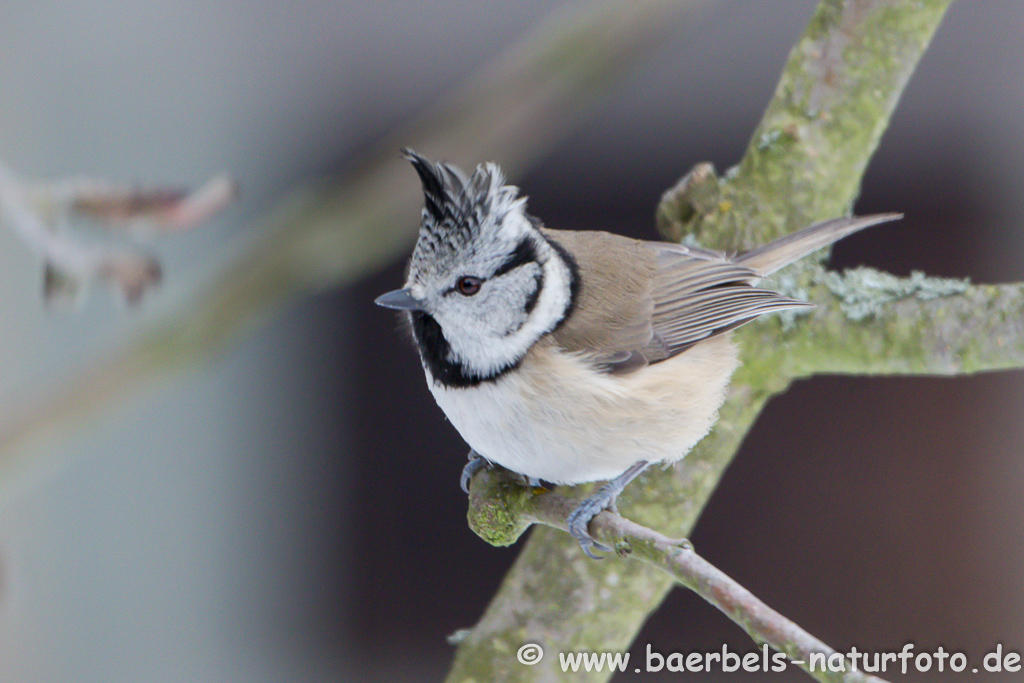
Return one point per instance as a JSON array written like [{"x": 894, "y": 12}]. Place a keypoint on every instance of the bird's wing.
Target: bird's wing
[
  {"x": 643, "y": 302},
  {"x": 697, "y": 295}
]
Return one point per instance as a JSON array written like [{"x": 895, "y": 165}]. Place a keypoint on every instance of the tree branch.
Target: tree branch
[
  {"x": 494, "y": 497},
  {"x": 871, "y": 322},
  {"x": 805, "y": 160},
  {"x": 804, "y": 163}
]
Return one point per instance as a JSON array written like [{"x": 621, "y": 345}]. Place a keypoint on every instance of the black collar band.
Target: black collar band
[{"x": 435, "y": 353}]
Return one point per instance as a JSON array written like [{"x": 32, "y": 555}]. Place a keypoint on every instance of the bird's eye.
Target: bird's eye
[{"x": 468, "y": 285}]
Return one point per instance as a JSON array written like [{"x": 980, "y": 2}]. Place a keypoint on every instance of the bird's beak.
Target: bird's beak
[{"x": 400, "y": 300}]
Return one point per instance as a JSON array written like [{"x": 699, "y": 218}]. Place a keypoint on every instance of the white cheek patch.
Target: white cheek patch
[
  {"x": 509, "y": 301},
  {"x": 502, "y": 338}
]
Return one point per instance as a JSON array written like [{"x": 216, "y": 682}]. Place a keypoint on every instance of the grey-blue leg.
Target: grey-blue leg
[
  {"x": 604, "y": 499},
  {"x": 476, "y": 463}
]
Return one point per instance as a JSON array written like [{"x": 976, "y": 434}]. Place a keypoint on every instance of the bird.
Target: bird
[{"x": 574, "y": 356}]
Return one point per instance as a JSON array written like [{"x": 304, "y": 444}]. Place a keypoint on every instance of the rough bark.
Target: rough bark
[{"x": 803, "y": 164}]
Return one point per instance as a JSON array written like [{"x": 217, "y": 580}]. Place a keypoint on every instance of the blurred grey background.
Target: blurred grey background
[{"x": 292, "y": 511}]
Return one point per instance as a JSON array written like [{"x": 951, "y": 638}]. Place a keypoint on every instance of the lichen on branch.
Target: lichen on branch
[{"x": 804, "y": 163}]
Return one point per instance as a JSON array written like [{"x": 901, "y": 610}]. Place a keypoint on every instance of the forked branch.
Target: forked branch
[{"x": 804, "y": 163}]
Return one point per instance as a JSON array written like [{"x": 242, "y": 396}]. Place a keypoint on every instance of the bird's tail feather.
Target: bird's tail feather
[{"x": 785, "y": 250}]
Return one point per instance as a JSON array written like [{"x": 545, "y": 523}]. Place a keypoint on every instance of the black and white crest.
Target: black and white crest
[
  {"x": 475, "y": 230},
  {"x": 461, "y": 215}
]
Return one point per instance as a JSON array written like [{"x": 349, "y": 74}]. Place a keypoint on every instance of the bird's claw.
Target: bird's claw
[
  {"x": 476, "y": 463},
  {"x": 604, "y": 499},
  {"x": 579, "y": 520}
]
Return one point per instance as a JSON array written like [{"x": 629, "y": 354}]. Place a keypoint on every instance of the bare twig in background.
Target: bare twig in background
[
  {"x": 490, "y": 499},
  {"x": 329, "y": 234},
  {"x": 44, "y": 216},
  {"x": 161, "y": 210}
]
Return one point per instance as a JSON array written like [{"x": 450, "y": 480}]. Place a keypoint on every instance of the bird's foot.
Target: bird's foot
[
  {"x": 476, "y": 463},
  {"x": 580, "y": 518},
  {"x": 604, "y": 499}
]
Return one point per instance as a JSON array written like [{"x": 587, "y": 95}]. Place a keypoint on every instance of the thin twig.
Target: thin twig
[{"x": 490, "y": 489}]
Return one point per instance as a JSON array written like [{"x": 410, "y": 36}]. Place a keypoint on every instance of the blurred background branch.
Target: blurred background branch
[{"x": 337, "y": 230}]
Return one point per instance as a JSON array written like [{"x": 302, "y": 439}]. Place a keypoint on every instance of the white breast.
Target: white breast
[{"x": 555, "y": 418}]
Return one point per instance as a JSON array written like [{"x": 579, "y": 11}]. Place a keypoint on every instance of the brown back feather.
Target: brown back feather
[{"x": 642, "y": 302}]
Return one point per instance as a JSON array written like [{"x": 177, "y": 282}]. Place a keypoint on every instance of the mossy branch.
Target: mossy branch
[
  {"x": 806, "y": 158},
  {"x": 501, "y": 509},
  {"x": 868, "y": 322},
  {"x": 804, "y": 163}
]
